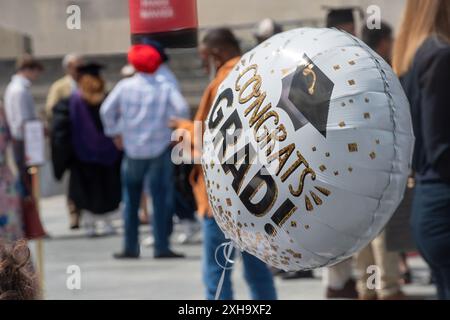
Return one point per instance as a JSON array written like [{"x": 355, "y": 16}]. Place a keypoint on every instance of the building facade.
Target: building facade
[{"x": 105, "y": 25}]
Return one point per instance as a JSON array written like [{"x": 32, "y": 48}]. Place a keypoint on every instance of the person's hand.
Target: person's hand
[
  {"x": 46, "y": 131},
  {"x": 118, "y": 142},
  {"x": 177, "y": 123},
  {"x": 195, "y": 174}
]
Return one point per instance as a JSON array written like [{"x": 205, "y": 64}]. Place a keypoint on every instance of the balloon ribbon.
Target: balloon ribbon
[{"x": 227, "y": 252}]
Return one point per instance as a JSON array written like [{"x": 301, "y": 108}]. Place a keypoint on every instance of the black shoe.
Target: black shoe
[
  {"x": 168, "y": 255},
  {"x": 124, "y": 255},
  {"x": 406, "y": 277},
  {"x": 308, "y": 274},
  {"x": 74, "y": 226},
  {"x": 347, "y": 292}
]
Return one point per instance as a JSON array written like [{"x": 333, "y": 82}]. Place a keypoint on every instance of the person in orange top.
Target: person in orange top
[{"x": 220, "y": 52}]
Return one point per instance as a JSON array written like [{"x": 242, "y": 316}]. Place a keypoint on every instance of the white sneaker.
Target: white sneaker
[
  {"x": 91, "y": 230},
  {"x": 148, "y": 242},
  {"x": 190, "y": 231},
  {"x": 89, "y": 224},
  {"x": 109, "y": 229}
]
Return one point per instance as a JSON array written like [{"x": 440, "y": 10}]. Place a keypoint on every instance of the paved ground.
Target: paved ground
[{"x": 102, "y": 277}]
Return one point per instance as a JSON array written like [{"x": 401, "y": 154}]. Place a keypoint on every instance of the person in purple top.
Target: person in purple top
[{"x": 80, "y": 146}]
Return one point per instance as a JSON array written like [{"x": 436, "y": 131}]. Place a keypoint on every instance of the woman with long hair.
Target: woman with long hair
[{"x": 422, "y": 60}]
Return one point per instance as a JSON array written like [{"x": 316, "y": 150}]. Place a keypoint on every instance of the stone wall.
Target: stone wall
[{"x": 13, "y": 43}]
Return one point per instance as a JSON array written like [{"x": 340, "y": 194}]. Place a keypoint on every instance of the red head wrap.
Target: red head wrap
[{"x": 144, "y": 58}]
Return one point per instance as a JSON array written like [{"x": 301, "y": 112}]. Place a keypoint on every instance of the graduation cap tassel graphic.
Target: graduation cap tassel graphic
[{"x": 305, "y": 96}]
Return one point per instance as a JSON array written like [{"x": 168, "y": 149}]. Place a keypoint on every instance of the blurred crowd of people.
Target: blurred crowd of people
[{"x": 116, "y": 148}]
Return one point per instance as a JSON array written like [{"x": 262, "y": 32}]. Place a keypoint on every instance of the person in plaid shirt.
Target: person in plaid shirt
[{"x": 136, "y": 115}]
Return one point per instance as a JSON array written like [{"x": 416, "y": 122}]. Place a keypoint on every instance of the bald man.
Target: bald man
[{"x": 63, "y": 87}]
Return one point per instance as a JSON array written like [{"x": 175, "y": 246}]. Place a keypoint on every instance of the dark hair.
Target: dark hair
[
  {"x": 27, "y": 62},
  {"x": 221, "y": 38},
  {"x": 337, "y": 17},
  {"x": 373, "y": 37},
  {"x": 158, "y": 46},
  {"x": 17, "y": 278}
]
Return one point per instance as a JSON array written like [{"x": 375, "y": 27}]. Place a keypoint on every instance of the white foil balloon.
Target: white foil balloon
[{"x": 323, "y": 156}]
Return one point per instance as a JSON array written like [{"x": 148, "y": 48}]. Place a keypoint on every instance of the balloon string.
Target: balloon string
[{"x": 227, "y": 252}]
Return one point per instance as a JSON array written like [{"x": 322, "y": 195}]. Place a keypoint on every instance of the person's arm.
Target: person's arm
[
  {"x": 4, "y": 127},
  {"x": 110, "y": 112},
  {"x": 178, "y": 105},
  {"x": 17, "y": 113},
  {"x": 436, "y": 114}
]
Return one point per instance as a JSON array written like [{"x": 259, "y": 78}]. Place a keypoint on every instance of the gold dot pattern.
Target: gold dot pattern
[{"x": 353, "y": 147}]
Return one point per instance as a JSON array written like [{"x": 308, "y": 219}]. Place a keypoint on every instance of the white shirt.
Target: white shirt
[{"x": 19, "y": 105}]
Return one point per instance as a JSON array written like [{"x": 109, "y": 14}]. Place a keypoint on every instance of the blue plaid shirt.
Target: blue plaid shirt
[{"x": 139, "y": 109}]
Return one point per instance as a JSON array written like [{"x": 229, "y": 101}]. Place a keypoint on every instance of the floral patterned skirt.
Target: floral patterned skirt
[{"x": 11, "y": 226}]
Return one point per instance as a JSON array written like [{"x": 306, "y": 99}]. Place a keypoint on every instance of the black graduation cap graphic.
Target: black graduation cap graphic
[{"x": 305, "y": 95}]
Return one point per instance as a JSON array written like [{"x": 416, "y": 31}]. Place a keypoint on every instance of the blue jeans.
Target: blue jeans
[
  {"x": 157, "y": 174},
  {"x": 183, "y": 209},
  {"x": 256, "y": 273},
  {"x": 430, "y": 221}
]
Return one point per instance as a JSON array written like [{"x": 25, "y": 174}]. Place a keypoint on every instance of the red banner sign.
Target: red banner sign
[{"x": 156, "y": 16}]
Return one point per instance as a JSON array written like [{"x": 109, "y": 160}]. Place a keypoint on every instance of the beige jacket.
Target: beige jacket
[{"x": 60, "y": 89}]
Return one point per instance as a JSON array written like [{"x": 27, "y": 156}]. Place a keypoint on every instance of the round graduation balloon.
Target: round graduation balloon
[{"x": 307, "y": 148}]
